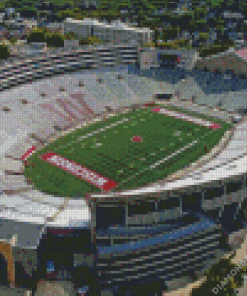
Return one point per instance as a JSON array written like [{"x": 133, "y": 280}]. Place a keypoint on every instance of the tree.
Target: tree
[
  {"x": 54, "y": 40},
  {"x": 66, "y": 13},
  {"x": 4, "y": 52},
  {"x": 109, "y": 14},
  {"x": 150, "y": 44},
  {"x": 153, "y": 25},
  {"x": 218, "y": 275},
  {"x": 93, "y": 40},
  {"x": 13, "y": 40},
  {"x": 37, "y": 35},
  {"x": 166, "y": 4},
  {"x": 2, "y": 6},
  {"x": 93, "y": 14},
  {"x": 70, "y": 36}
]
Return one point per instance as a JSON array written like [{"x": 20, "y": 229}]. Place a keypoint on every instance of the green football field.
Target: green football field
[{"x": 168, "y": 144}]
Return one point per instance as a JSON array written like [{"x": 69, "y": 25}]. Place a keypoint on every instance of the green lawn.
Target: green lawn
[{"x": 120, "y": 159}]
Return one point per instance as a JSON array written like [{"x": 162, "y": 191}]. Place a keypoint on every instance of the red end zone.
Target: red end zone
[
  {"x": 79, "y": 171},
  {"x": 149, "y": 103},
  {"x": 198, "y": 121},
  {"x": 27, "y": 154}
]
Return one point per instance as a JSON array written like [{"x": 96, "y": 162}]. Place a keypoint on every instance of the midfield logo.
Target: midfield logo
[{"x": 137, "y": 139}]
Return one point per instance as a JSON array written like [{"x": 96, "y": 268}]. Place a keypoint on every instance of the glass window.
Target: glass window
[
  {"x": 104, "y": 50},
  {"x": 164, "y": 96},
  {"x": 123, "y": 241},
  {"x": 107, "y": 55},
  {"x": 68, "y": 240},
  {"x": 103, "y": 242},
  {"x": 141, "y": 208},
  {"x": 127, "y": 48},
  {"x": 108, "y": 60},
  {"x": 233, "y": 186},
  {"x": 127, "y": 58},
  {"x": 109, "y": 216},
  {"x": 191, "y": 202},
  {"x": 170, "y": 203},
  {"x": 229, "y": 220},
  {"x": 213, "y": 192},
  {"x": 215, "y": 214},
  {"x": 50, "y": 266}
]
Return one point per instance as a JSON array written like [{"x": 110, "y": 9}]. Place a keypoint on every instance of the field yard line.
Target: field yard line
[
  {"x": 174, "y": 153},
  {"x": 161, "y": 161},
  {"x": 165, "y": 159},
  {"x": 179, "y": 115},
  {"x": 95, "y": 132},
  {"x": 103, "y": 129}
]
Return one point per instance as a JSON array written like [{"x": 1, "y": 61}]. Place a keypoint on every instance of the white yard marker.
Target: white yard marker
[
  {"x": 95, "y": 132},
  {"x": 167, "y": 158},
  {"x": 151, "y": 167},
  {"x": 171, "y": 155},
  {"x": 199, "y": 121}
]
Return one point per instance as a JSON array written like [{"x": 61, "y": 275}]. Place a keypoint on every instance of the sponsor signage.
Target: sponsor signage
[{"x": 80, "y": 171}]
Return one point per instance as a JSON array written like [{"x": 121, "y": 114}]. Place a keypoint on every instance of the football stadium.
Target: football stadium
[
  {"x": 114, "y": 183},
  {"x": 125, "y": 151}
]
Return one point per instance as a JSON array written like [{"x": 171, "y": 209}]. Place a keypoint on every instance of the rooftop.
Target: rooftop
[{"x": 116, "y": 25}]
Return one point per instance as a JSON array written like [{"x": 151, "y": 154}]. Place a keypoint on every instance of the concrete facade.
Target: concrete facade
[{"x": 118, "y": 31}]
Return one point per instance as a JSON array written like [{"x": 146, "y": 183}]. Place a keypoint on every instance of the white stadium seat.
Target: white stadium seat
[{"x": 13, "y": 182}]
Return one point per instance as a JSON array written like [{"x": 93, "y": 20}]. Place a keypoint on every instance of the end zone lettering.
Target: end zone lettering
[
  {"x": 178, "y": 115},
  {"x": 79, "y": 171}
]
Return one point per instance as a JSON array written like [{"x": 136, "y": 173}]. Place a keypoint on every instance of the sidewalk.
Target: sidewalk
[
  {"x": 186, "y": 291},
  {"x": 5, "y": 291},
  {"x": 55, "y": 288},
  {"x": 240, "y": 253}
]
